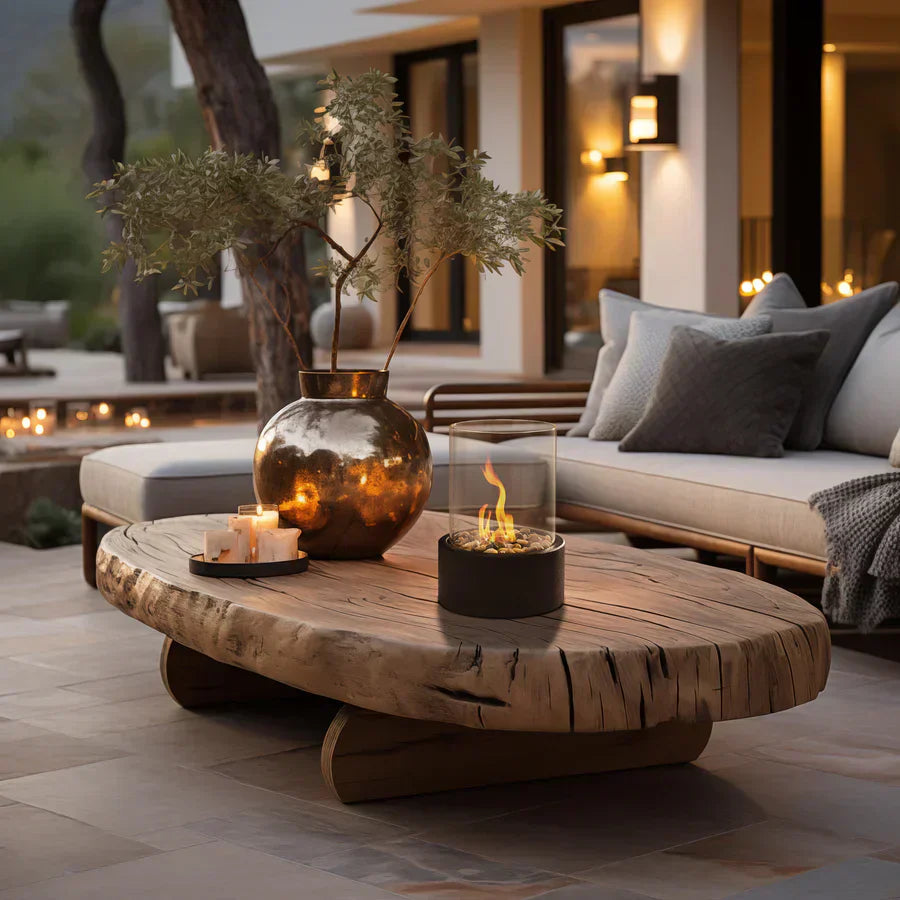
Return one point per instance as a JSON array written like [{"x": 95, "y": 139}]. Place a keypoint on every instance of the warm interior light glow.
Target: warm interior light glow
[
  {"x": 746, "y": 288},
  {"x": 26, "y": 422},
  {"x": 144, "y": 422},
  {"x": 320, "y": 171},
  {"x": 591, "y": 158},
  {"x": 829, "y": 48},
  {"x": 767, "y": 276},
  {"x": 844, "y": 288},
  {"x": 103, "y": 409},
  {"x": 615, "y": 176},
  {"x": 81, "y": 415},
  {"x": 10, "y": 433},
  {"x": 38, "y": 429},
  {"x": 505, "y": 529},
  {"x": 642, "y": 125},
  {"x": 40, "y": 414},
  {"x": 758, "y": 284}
]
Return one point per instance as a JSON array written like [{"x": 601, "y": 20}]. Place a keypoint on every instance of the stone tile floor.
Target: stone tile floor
[{"x": 109, "y": 790}]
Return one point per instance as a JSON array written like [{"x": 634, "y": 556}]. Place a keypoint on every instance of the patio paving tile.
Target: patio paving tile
[
  {"x": 297, "y": 773},
  {"x": 410, "y": 867},
  {"x": 47, "y": 751},
  {"x": 108, "y": 718},
  {"x": 39, "y": 703},
  {"x": 122, "y": 687},
  {"x": 725, "y": 864},
  {"x": 859, "y": 879},
  {"x": 296, "y": 830},
  {"x": 856, "y": 755},
  {"x": 610, "y": 818},
  {"x": 131, "y": 795},
  {"x": 214, "y": 871},
  {"x": 98, "y": 659},
  {"x": 851, "y": 807},
  {"x": 36, "y": 845},
  {"x": 17, "y": 676}
]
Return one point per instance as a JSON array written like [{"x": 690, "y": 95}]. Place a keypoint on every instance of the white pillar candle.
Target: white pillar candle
[
  {"x": 277, "y": 544},
  {"x": 264, "y": 516},
  {"x": 221, "y": 546},
  {"x": 245, "y": 528}
]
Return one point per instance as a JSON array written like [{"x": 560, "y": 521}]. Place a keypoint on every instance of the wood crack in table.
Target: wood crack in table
[{"x": 646, "y": 654}]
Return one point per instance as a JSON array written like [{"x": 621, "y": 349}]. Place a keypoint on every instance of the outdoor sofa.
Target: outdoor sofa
[{"x": 741, "y": 506}]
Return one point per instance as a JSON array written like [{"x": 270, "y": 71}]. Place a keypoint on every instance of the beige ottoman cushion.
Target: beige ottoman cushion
[{"x": 154, "y": 481}]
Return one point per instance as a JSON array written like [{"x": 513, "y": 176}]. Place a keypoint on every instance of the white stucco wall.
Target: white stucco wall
[
  {"x": 690, "y": 196},
  {"x": 510, "y": 127}
]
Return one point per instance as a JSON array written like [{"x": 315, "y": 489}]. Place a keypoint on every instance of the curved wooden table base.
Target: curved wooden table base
[
  {"x": 371, "y": 756},
  {"x": 194, "y": 680}
]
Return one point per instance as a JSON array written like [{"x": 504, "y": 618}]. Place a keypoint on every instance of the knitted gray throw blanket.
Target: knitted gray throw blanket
[{"x": 862, "y": 529}]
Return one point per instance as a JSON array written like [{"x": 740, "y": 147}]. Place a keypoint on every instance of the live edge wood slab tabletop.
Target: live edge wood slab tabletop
[{"x": 646, "y": 654}]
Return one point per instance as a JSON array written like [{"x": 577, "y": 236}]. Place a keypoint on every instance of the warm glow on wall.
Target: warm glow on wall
[
  {"x": 592, "y": 158},
  {"x": 319, "y": 170},
  {"x": 828, "y": 48}
]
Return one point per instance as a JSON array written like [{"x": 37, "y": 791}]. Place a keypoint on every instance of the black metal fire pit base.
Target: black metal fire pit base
[{"x": 495, "y": 586}]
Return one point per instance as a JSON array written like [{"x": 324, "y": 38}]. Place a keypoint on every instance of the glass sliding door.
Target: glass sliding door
[
  {"x": 440, "y": 90},
  {"x": 860, "y": 146},
  {"x": 591, "y": 65}
]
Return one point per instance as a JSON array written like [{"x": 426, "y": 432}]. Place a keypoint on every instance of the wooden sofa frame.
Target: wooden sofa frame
[{"x": 560, "y": 402}]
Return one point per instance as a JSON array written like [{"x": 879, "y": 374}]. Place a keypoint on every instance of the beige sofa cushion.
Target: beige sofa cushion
[{"x": 758, "y": 501}]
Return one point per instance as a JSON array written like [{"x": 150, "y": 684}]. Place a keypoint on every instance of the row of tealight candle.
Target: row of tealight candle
[{"x": 253, "y": 535}]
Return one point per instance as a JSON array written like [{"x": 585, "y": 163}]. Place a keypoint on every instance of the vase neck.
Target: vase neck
[{"x": 366, "y": 384}]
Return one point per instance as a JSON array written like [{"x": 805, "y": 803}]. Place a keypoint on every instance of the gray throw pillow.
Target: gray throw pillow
[
  {"x": 734, "y": 397},
  {"x": 850, "y": 322},
  {"x": 895, "y": 452},
  {"x": 615, "y": 315},
  {"x": 865, "y": 416},
  {"x": 648, "y": 339},
  {"x": 779, "y": 293}
]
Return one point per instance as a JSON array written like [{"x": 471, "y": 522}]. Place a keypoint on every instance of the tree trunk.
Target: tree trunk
[
  {"x": 240, "y": 114},
  {"x": 142, "y": 343}
]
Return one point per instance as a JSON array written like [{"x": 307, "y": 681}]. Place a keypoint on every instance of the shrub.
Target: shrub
[{"x": 50, "y": 525}]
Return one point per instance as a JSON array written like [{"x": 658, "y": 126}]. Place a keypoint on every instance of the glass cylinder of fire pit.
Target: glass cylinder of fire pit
[{"x": 502, "y": 556}]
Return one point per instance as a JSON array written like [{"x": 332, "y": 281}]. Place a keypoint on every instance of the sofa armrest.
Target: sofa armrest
[{"x": 559, "y": 402}]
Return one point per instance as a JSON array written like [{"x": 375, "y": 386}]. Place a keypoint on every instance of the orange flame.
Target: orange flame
[{"x": 505, "y": 525}]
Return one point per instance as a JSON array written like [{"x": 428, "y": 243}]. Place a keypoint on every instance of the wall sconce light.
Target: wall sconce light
[
  {"x": 611, "y": 168},
  {"x": 653, "y": 114},
  {"x": 616, "y": 169}
]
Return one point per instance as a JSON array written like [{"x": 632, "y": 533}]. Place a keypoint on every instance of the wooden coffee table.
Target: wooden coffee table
[{"x": 646, "y": 654}]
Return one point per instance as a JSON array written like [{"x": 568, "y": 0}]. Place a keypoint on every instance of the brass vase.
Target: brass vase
[{"x": 344, "y": 464}]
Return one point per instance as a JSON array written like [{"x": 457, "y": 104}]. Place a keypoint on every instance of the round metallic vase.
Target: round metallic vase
[{"x": 347, "y": 466}]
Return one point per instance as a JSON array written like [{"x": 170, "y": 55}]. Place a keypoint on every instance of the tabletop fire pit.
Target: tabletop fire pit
[{"x": 502, "y": 557}]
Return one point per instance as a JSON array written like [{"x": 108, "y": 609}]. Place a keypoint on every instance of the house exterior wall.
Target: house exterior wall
[
  {"x": 690, "y": 214},
  {"x": 690, "y": 195}
]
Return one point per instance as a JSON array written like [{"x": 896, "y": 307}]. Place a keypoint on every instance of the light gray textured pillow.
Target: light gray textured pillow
[
  {"x": 615, "y": 315},
  {"x": 615, "y": 311},
  {"x": 895, "y": 452},
  {"x": 779, "y": 293},
  {"x": 865, "y": 416},
  {"x": 648, "y": 339},
  {"x": 850, "y": 322},
  {"x": 735, "y": 397}
]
